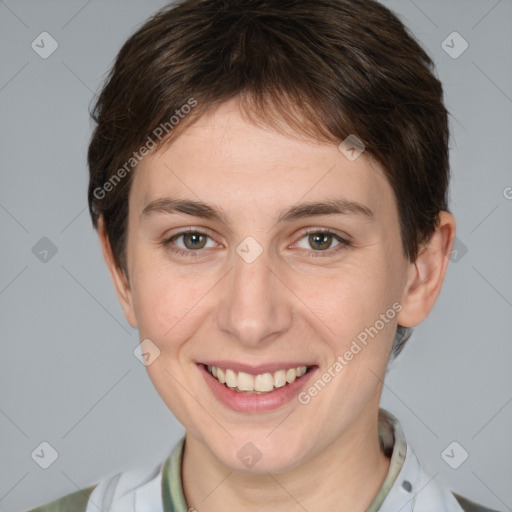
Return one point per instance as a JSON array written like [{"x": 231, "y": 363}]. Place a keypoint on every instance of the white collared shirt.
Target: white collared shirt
[{"x": 407, "y": 488}]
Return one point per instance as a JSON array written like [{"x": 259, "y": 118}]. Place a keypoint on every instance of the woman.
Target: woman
[{"x": 269, "y": 185}]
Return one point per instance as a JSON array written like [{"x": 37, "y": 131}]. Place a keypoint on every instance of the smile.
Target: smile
[
  {"x": 256, "y": 389},
  {"x": 261, "y": 383}
]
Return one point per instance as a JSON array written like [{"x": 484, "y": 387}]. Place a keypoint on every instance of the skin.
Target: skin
[{"x": 284, "y": 306}]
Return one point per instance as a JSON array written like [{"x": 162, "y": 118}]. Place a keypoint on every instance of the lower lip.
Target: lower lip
[{"x": 248, "y": 402}]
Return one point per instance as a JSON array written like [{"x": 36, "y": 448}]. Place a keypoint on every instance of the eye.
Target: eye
[
  {"x": 189, "y": 242},
  {"x": 194, "y": 240},
  {"x": 321, "y": 241}
]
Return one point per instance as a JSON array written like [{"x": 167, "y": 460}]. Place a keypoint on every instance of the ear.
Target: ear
[
  {"x": 426, "y": 274},
  {"x": 121, "y": 284}
]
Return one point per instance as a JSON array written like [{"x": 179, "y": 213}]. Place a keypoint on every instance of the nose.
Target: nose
[{"x": 255, "y": 306}]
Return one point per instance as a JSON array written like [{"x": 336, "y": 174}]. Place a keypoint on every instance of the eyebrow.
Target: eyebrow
[
  {"x": 328, "y": 207},
  {"x": 188, "y": 206},
  {"x": 203, "y": 210}
]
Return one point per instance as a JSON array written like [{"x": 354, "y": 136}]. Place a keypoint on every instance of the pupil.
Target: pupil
[
  {"x": 195, "y": 239},
  {"x": 321, "y": 240}
]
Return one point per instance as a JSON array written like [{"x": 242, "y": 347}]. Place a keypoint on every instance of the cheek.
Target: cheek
[
  {"x": 352, "y": 311},
  {"x": 168, "y": 304},
  {"x": 348, "y": 299}
]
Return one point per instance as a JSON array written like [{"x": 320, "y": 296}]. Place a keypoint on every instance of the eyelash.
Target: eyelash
[{"x": 312, "y": 254}]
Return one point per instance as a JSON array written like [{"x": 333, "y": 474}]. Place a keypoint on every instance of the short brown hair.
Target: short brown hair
[{"x": 326, "y": 68}]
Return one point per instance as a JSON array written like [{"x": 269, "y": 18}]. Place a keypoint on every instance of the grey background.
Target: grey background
[{"x": 68, "y": 375}]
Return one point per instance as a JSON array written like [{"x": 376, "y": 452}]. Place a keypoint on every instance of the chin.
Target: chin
[{"x": 259, "y": 454}]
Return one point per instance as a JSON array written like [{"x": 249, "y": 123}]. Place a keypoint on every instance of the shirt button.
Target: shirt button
[{"x": 406, "y": 485}]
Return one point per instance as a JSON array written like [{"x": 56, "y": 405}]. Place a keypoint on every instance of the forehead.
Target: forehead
[{"x": 225, "y": 159}]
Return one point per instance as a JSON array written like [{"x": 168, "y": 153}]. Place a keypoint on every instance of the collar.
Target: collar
[{"x": 389, "y": 497}]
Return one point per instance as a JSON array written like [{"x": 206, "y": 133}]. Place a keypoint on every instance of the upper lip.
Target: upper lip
[{"x": 257, "y": 369}]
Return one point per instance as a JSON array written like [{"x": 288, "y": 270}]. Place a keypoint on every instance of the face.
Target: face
[{"x": 251, "y": 254}]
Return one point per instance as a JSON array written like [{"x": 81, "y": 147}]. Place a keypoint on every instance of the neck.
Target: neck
[{"x": 346, "y": 475}]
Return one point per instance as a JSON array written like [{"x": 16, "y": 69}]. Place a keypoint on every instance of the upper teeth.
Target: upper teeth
[{"x": 263, "y": 382}]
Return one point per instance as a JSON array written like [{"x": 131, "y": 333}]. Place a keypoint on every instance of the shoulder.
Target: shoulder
[
  {"x": 75, "y": 502},
  {"x": 121, "y": 492},
  {"x": 137, "y": 489},
  {"x": 413, "y": 488},
  {"x": 433, "y": 495},
  {"x": 471, "y": 506}
]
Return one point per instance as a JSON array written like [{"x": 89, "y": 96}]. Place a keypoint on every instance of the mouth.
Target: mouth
[
  {"x": 258, "y": 384},
  {"x": 255, "y": 390}
]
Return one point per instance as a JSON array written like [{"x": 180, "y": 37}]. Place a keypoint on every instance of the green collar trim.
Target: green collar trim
[
  {"x": 172, "y": 490},
  {"x": 389, "y": 425}
]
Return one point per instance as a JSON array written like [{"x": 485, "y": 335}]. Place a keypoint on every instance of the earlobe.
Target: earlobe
[
  {"x": 121, "y": 285},
  {"x": 427, "y": 273}
]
